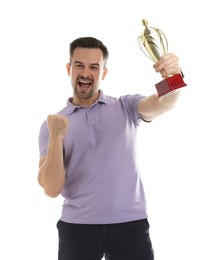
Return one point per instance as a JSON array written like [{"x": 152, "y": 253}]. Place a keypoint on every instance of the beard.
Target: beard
[{"x": 85, "y": 91}]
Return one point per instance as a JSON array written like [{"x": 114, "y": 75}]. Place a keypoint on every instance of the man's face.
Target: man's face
[{"x": 86, "y": 71}]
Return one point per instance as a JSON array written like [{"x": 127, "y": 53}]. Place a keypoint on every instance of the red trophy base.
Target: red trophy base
[{"x": 170, "y": 84}]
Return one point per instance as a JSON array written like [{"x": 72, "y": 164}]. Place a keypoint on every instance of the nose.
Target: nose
[{"x": 85, "y": 72}]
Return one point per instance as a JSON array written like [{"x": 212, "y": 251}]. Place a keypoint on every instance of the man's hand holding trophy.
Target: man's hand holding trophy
[{"x": 154, "y": 44}]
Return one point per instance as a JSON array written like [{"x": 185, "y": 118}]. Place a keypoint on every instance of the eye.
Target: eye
[
  {"x": 94, "y": 67},
  {"x": 78, "y": 66}
]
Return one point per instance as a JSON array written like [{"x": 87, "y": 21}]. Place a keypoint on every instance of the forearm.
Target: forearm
[
  {"x": 52, "y": 173},
  {"x": 153, "y": 106},
  {"x": 168, "y": 101}
]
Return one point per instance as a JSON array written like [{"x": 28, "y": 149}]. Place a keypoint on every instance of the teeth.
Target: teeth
[{"x": 85, "y": 82}]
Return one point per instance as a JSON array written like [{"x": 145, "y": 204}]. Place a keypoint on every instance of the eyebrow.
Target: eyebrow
[{"x": 92, "y": 64}]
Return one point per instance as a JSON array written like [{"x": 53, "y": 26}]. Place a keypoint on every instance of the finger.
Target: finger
[
  {"x": 168, "y": 65},
  {"x": 168, "y": 57}
]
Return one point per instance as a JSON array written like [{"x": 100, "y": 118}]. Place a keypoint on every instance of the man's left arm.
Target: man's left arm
[{"x": 153, "y": 106}]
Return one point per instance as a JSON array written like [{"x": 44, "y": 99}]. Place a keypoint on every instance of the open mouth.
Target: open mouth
[{"x": 84, "y": 84}]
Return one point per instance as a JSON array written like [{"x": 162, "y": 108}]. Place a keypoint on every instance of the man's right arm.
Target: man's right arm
[{"x": 51, "y": 174}]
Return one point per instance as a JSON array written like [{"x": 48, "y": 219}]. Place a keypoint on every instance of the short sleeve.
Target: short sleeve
[
  {"x": 130, "y": 103},
  {"x": 43, "y": 139}
]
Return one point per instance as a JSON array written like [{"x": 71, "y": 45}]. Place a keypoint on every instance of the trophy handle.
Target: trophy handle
[
  {"x": 163, "y": 40},
  {"x": 142, "y": 45}
]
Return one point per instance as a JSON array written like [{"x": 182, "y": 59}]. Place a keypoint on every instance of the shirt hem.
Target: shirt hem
[{"x": 103, "y": 221}]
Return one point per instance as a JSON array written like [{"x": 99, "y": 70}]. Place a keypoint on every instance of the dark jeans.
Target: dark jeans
[{"x": 123, "y": 241}]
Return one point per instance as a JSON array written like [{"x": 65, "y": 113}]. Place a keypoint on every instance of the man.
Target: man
[{"x": 88, "y": 155}]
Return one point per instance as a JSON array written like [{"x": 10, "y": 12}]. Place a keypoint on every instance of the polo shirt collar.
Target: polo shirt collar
[{"x": 70, "y": 108}]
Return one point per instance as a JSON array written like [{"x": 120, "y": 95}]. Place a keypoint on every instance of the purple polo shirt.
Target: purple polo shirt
[{"x": 103, "y": 184}]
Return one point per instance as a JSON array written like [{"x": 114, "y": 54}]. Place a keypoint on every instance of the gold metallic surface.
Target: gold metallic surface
[{"x": 153, "y": 42}]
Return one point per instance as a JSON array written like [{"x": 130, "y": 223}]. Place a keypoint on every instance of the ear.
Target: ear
[
  {"x": 68, "y": 67},
  {"x": 104, "y": 73}
]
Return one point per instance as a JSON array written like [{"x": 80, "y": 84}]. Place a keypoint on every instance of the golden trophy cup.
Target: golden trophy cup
[{"x": 154, "y": 44}]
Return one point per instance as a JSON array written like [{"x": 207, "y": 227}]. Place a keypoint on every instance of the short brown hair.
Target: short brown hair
[{"x": 89, "y": 42}]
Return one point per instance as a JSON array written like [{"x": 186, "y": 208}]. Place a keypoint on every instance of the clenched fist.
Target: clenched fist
[
  {"x": 57, "y": 125},
  {"x": 168, "y": 65}
]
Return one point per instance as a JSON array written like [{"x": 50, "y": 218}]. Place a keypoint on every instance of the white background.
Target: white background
[{"x": 176, "y": 151}]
